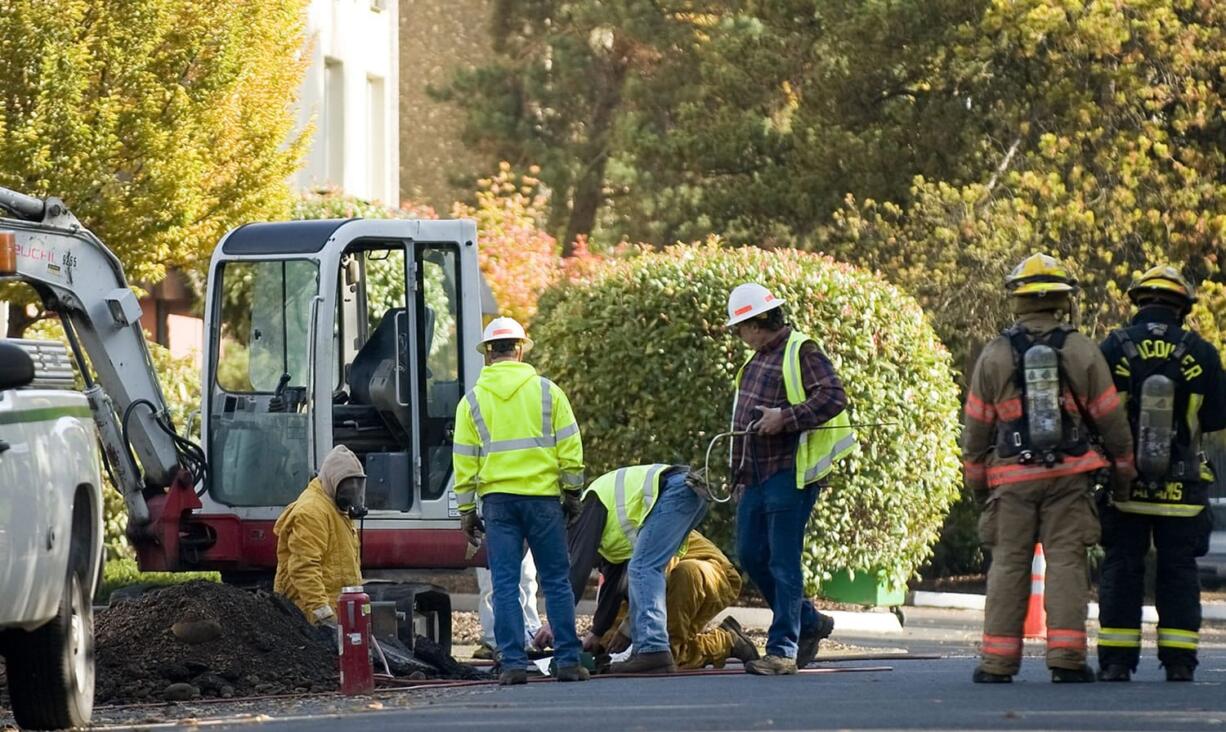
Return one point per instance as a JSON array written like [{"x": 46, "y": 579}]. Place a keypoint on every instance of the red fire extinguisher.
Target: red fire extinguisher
[{"x": 357, "y": 674}]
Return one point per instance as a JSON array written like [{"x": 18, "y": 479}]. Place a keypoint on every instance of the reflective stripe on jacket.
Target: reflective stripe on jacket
[
  {"x": 817, "y": 450},
  {"x": 628, "y": 495},
  {"x": 515, "y": 433}
]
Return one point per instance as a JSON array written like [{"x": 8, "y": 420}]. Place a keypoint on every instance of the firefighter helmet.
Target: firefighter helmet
[
  {"x": 1160, "y": 281},
  {"x": 1039, "y": 275}
]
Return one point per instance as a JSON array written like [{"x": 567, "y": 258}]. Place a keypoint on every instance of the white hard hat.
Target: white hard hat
[
  {"x": 749, "y": 301},
  {"x": 503, "y": 329}
]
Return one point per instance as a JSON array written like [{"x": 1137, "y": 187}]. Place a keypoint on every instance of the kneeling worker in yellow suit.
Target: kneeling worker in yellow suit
[{"x": 317, "y": 543}]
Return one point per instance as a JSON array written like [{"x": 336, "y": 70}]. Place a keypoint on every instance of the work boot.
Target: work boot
[
  {"x": 806, "y": 649},
  {"x": 573, "y": 673},
  {"x": 485, "y": 653},
  {"x": 656, "y": 662},
  {"x": 1114, "y": 672},
  {"x": 513, "y": 677},
  {"x": 1179, "y": 672},
  {"x": 771, "y": 666},
  {"x": 1083, "y": 675},
  {"x": 987, "y": 677},
  {"x": 743, "y": 649}
]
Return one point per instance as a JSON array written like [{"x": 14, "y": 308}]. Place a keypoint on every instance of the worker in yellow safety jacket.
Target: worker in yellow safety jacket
[
  {"x": 517, "y": 447},
  {"x": 317, "y": 543},
  {"x": 791, "y": 403}
]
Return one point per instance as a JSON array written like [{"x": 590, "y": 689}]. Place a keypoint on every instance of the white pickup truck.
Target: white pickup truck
[{"x": 50, "y": 536}]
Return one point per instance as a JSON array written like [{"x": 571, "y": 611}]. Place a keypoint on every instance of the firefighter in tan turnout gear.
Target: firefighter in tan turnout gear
[{"x": 1039, "y": 391}]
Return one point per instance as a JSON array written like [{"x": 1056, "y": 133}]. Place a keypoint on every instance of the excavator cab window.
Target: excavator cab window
[
  {"x": 383, "y": 397},
  {"x": 260, "y": 415},
  {"x": 439, "y": 383}
]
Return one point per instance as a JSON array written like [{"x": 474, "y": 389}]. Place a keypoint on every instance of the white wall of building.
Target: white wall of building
[{"x": 350, "y": 94}]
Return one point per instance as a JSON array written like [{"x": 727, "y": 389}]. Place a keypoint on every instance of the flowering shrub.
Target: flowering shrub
[{"x": 518, "y": 258}]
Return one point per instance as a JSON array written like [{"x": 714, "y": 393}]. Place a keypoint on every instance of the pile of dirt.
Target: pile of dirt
[{"x": 203, "y": 639}]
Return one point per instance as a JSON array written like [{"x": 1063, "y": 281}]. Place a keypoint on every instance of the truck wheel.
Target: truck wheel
[{"x": 51, "y": 670}]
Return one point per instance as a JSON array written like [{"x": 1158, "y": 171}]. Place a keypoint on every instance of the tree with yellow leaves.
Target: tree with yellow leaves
[{"x": 161, "y": 123}]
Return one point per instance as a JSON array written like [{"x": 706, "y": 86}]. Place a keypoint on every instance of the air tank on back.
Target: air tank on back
[{"x": 1041, "y": 366}]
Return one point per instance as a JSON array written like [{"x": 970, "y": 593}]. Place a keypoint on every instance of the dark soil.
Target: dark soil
[{"x": 265, "y": 647}]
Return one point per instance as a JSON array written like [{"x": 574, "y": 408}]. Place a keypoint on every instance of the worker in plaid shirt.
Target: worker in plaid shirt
[{"x": 785, "y": 390}]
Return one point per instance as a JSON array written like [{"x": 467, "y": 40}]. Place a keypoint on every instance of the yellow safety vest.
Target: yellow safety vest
[
  {"x": 628, "y": 495},
  {"x": 525, "y": 444},
  {"x": 817, "y": 450}
]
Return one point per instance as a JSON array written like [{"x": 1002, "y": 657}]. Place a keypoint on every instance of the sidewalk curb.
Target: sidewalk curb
[
  {"x": 964, "y": 601},
  {"x": 883, "y": 622}
]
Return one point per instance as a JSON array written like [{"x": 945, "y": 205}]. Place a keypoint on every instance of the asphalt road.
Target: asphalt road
[{"x": 915, "y": 695}]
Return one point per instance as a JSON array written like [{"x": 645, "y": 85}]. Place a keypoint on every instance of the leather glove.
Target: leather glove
[
  {"x": 326, "y": 631},
  {"x": 472, "y": 526},
  {"x": 572, "y": 506},
  {"x": 619, "y": 643},
  {"x": 591, "y": 643},
  {"x": 1121, "y": 486}
]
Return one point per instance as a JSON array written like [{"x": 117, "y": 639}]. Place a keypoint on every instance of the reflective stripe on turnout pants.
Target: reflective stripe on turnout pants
[
  {"x": 1126, "y": 540},
  {"x": 1061, "y": 514}
]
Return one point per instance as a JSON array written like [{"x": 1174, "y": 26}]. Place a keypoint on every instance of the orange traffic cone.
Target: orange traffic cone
[{"x": 1036, "y": 614}]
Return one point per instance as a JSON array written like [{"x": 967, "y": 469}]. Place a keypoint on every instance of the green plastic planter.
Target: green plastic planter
[{"x": 863, "y": 589}]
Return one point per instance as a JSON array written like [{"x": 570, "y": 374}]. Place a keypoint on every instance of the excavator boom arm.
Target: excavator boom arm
[{"x": 44, "y": 245}]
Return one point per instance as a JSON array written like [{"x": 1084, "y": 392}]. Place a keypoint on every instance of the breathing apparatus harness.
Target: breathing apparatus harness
[{"x": 1044, "y": 433}]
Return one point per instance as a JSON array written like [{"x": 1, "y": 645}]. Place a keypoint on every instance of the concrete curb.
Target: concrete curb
[
  {"x": 749, "y": 617},
  {"x": 964, "y": 601},
  {"x": 882, "y": 622}
]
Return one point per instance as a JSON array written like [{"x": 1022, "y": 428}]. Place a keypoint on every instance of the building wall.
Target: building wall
[
  {"x": 437, "y": 37},
  {"x": 349, "y": 94}
]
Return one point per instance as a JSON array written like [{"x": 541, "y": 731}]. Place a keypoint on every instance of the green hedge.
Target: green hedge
[{"x": 642, "y": 350}]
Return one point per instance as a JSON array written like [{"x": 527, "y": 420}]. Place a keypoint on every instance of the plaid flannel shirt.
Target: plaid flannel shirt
[{"x": 762, "y": 386}]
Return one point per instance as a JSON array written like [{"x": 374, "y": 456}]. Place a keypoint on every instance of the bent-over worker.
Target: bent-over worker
[{"x": 701, "y": 582}]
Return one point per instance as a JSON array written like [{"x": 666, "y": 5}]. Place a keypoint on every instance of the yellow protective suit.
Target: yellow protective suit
[
  {"x": 699, "y": 586},
  {"x": 317, "y": 544}
]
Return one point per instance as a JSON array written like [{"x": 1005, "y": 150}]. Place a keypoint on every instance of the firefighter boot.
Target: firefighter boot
[
  {"x": 987, "y": 677},
  {"x": 1114, "y": 672},
  {"x": 1081, "y": 675},
  {"x": 1179, "y": 672}
]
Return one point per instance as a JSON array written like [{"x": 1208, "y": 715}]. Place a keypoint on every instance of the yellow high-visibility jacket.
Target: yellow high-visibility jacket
[{"x": 515, "y": 433}]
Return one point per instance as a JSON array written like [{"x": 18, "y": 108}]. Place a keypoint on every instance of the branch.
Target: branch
[{"x": 1004, "y": 164}]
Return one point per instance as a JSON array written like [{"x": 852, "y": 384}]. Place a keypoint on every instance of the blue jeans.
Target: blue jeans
[
  {"x": 770, "y": 534},
  {"x": 677, "y": 511},
  {"x": 511, "y": 520}
]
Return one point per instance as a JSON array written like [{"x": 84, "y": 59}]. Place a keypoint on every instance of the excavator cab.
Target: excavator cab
[{"x": 360, "y": 333}]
